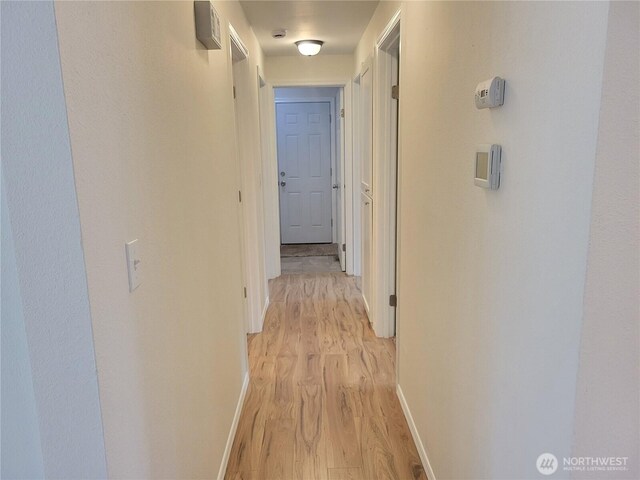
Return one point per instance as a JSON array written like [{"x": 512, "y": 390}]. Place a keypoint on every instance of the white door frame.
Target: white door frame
[
  {"x": 268, "y": 148},
  {"x": 235, "y": 55},
  {"x": 332, "y": 135},
  {"x": 271, "y": 187},
  {"x": 354, "y": 225},
  {"x": 251, "y": 225},
  {"x": 386, "y": 158}
]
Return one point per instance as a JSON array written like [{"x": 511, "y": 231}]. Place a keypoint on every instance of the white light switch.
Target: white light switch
[{"x": 133, "y": 265}]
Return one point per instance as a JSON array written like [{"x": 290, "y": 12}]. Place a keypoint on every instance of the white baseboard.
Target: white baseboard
[
  {"x": 234, "y": 427},
  {"x": 416, "y": 436}
]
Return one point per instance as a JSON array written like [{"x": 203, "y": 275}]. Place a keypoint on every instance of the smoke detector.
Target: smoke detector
[{"x": 279, "y": 33}]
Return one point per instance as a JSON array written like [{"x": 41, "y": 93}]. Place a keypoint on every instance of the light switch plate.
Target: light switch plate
[{"x": 134, "y": 267}]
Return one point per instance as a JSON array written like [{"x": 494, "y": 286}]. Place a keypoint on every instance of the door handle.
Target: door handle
[
  {"x": 283, "y": 183},
  {"x": 336, "y": 186}
]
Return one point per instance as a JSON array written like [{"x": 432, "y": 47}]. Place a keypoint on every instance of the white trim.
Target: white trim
[
  {"x": 237, "y": 42},
  {"x": 246, "y": 311},
  {"x": 414, "y": 433},
  {"x": 271, "y": 187},
  {"x": 385, "y": 164},
  {"x": 351, "y": 214},
  {"x": 354, "y": 260},
  {"x": 271, "y": 232},
  {"x": 331, "y": 100},
  {"x": 270, "y": 182},
  {"x": 401, "y": 59},
  {"x": 263, "y": 315},
  {"x": 347, "y": 207},
  {"x": 261, "y": 81},
  {"x": 311, "y": 83},
  {"x": 334, "y": 157},
  {"x": 395, "y": 20},
  {"x": 234, "y": 428}
]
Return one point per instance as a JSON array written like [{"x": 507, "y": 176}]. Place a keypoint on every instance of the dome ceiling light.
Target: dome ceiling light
[{"x": 309, "y": 47}]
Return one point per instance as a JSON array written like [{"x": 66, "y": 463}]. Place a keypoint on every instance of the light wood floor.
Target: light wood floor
[
  {"x": 310, "y": 264},
  {"x": 321, "y": 402}
]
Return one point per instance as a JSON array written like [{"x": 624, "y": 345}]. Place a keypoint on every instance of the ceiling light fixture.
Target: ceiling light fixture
[{"x": 309, "y": 47}]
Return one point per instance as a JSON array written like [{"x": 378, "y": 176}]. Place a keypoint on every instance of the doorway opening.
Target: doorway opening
[
  {"x": 385, "y": 187},
  {"x": 250, "y": 218},
  {"x": 310, "y": 165}
]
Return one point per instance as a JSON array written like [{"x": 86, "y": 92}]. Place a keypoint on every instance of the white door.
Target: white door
[
  {"x": 366, "y": 127},
  {"x": 366, "y": 171},
  {"x": 304, "y": 164},
  {"x": 338, "y": 187},
  {"x": 340, "y": 226}
]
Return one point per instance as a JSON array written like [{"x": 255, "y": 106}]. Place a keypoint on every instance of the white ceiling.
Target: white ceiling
[{"x": 339, "y": 24}]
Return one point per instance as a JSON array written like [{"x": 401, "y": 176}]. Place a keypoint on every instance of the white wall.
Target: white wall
[
  {"x": 381, "y": 17},
  {"x": 152, "y": 131},
  {"x": 608, "y": 399},
  {"x": 305, "y": 92},
  {"x": 289, "y": 70},
  {"x": 491, "y": 283},
  {"x": 51, "y": 424}
]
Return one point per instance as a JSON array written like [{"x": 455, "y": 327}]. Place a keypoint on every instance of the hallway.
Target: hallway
[
  {"x": 465, "y": 178},
  {"x": 321, "y": 401}
]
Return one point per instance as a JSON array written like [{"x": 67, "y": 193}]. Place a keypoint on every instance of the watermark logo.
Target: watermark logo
[{"x": 547, "y": 464}]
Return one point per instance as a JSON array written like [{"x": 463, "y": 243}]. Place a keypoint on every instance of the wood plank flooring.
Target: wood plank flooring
[
  {"x": 321, "y": 402},
  {"x": 314, "y": 264}
]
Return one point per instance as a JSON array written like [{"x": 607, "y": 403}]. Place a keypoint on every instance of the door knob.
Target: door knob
[
  {"x": 336, "y": 186},
  {"x": 283, "y": 183}
]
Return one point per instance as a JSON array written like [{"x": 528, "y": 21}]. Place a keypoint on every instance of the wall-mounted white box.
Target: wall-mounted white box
[{"x": 207, "y": 25}]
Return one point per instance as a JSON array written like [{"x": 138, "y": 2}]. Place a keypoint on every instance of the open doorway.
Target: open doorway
[
  {"x": 309, "y": 150},
  {"x": 250, "y": 216},
  {"x": 384, "y": 190}
]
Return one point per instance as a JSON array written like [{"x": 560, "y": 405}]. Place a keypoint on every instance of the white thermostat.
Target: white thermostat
[
  {"x": 488, "y": 166},
  {"x": 207, "y": 24},
  {"x": 490, "y": 93}
]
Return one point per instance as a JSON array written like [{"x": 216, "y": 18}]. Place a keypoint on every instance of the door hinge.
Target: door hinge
[
  {"x": 342, "y": 113},
  {"x": 234, "y": 91},
  {"x": 344, "y": 247},
  {"x": 395, "y": 92},
  {"x": 332, "y": 222},
  {"x": 245, "y": 291},
  {"x": 393, "y": 300},
  {"x": 239, "y": 196},
  {"x": 330, "y": 119}
]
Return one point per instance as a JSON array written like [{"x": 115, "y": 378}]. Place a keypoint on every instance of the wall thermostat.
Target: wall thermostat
[
  {"x": 207, "y": 24},
  {"x": 490, "y": 93},
  {"x": 488, "y": 166}
]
